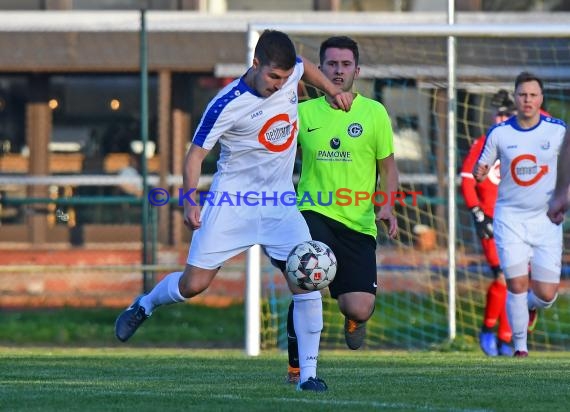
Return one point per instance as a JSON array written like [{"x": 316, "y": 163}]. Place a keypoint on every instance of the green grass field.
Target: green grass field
[
  {"x": 68, "y": 359},
  {"x": 144, "y": 379}
]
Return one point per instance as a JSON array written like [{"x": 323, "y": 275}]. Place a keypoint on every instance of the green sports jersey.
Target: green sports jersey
[{"x": 340, "y": 151}]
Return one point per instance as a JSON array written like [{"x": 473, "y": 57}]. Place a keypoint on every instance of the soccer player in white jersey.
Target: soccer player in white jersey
[
  {"x": 527, "y": 146},
  {"x": 256, "y": 122}
]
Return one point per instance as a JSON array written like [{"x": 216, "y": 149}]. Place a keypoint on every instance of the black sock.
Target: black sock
[{"x": 292, "y": 348}]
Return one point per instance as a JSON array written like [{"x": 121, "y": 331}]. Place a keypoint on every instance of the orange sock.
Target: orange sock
[
  {"x": 496, "y": 304},
  {"x": 504, "y": 333}
]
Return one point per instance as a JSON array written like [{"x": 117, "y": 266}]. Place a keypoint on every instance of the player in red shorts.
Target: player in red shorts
[{"x": 480, "y": 199}]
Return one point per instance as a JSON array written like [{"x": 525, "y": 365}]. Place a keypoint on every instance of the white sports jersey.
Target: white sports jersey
[
  {"x": 258, "y": 137},
  {"x": 528, "y": 164}
]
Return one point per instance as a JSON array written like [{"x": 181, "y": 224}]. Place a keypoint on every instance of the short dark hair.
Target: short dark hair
[
  {"x": 528, "y": 77},
  {"x": 339, "y": 42},
  {"x": 275, "y": 48}
]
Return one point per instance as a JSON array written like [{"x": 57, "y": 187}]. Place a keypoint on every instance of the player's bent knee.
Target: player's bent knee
[
  {"x": 192, "y": 287},
  {"x": 546, "y": 303},
  {"x": 360, "y": 315},
  {"x": 195, "y": 280},
  {"x": 551, "y": 302},
  {"x": 189, "y": 291},
  {"x": 358, "y": 308}
]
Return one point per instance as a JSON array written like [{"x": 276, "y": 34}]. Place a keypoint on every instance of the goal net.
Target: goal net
[{"x": 423, "y": 297}]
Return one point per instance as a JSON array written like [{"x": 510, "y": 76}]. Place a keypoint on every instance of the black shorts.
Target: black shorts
[{"x": 355, "y": 253}]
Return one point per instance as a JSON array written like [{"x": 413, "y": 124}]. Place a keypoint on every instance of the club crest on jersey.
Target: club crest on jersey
[
  {"x": 354, "y": 130},
  {"x": 335, "y": 143},
  {"x": 545, "y": 145},
  {"x": 278, "y": 133},
  {"x": 292, "y": 96}
]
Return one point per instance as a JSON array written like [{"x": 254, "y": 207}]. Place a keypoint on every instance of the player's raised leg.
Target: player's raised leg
[
  {"x": 546, "y": 271},
  {"x": 549, "y": 294},
  {"x": 173, "y": 288},
  {"x": 357, "y": 308}
]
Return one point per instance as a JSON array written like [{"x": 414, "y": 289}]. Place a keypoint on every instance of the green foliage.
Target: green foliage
[{"x": 173, "y": 325}]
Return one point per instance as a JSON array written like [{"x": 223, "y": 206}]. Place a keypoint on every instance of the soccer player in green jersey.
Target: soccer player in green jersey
[{"x": 342, "y": 155}]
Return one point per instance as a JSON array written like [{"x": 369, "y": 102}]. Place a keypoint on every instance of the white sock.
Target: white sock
[
  {"x": 534, "y": 302},
  {"x": 531, "y": 300},
  {"x": 308, "y": 321},
  {"x": 165, "y": 292},
  {"x": 517, "y": 311}
]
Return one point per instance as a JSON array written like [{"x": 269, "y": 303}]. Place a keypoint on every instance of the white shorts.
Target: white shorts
[
  {"x": 534, "y": 240},
  {"x": 227, "y": 230}
]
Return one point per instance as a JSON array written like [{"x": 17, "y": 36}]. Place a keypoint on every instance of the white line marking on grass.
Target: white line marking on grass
[{"x": 373, "y": 404}]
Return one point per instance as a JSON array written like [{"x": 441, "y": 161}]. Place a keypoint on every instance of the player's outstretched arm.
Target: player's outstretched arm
[
  {"x": 558, "y": 204},
  {"x": 191, "y": 175},
  {"x": 312, "y": 75}
]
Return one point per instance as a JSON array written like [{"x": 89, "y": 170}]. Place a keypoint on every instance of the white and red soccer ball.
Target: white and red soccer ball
[{"x": 311, "y": 265}]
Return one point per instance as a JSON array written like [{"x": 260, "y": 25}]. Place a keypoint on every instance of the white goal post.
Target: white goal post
[{"x": 448, "y": 32}]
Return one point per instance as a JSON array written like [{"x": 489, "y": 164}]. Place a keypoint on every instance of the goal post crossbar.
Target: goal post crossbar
[{"x": 514, "y": 30}]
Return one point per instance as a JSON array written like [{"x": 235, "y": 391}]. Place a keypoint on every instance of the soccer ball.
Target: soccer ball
[{"x": 311, "y": 265}]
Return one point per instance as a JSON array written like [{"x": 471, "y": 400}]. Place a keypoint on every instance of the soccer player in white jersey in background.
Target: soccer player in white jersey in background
[
  {"x": 255, "y": 120},
  {"x": 527, "y": 146}
]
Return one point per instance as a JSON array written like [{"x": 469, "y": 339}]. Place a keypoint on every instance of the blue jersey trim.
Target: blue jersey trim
[
  {"x": 505, "y": 123},
  {"x": 210, "y": 118},
  {"x": 512, "y": 121},
  {"x": 554, "y": 120},
  {"x": 543, "y": 118},
  {"x": 245, "y": 88}
]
